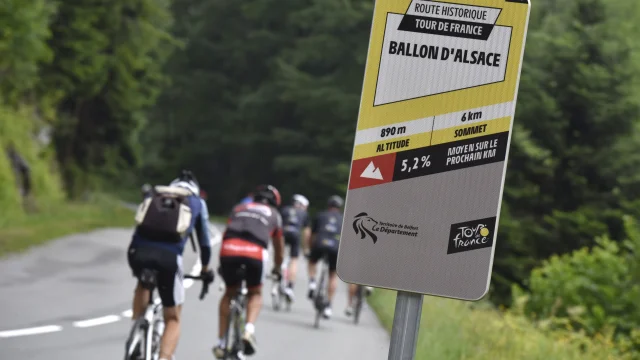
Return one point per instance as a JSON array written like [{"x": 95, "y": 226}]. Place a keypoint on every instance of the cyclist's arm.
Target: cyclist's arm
[
  {"x": 278, "y": 243},
  {"x": 278, "y": 247},
  {"x": 204, "y": 240},
  {"x": 306, "y": 234},
  {"x": 311, "y": 238}
]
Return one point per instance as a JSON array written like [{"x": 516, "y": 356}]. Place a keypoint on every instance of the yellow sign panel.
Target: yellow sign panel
[{"x": 433, "y": 76}]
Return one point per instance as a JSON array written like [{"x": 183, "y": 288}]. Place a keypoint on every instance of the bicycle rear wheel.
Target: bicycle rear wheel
[
  {"x": 276, "y": 296},
  {"x": 229, "y": 336},
  {"x": 319, "y": 300},
  {"x": 359, "y": 303}
]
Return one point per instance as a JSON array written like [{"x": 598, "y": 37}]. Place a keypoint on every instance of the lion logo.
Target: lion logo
[{"x": 363, "y": 225}]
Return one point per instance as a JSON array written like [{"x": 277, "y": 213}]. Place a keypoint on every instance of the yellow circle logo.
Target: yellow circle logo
[{"x": 484, "y": 232}]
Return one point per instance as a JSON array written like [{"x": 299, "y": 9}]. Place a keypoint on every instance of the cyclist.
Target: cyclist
[
  {"x": 145, "y": 190},
  {"x": 247, "y": 199},
  {"x": 325, "y": 238},
  {"x": 245, "y": 242},
  {"x": 157, "y": 245},
  {"x": 296, "y": 227}
]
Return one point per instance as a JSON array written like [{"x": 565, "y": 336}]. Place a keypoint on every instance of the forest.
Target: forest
[{"x": 264, "y": 91}]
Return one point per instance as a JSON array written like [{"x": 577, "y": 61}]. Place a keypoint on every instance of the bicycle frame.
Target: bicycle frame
[
  {"x": 143, "y": 330},
  {"x": 320, "y": 298},
  {"x": 359, "y": 304},
  {"x": 278, "y": 287},
  {"x": 235, "y": 347}
]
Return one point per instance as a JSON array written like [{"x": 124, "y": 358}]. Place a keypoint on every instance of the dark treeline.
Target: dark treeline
[{"x": 247, "y": 92}]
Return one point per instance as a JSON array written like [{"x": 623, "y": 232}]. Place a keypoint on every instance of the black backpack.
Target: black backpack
[{"x": 165, "y": 216}]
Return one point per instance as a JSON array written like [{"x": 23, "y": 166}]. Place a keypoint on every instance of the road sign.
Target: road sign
[{"x": 431, "y": 145}]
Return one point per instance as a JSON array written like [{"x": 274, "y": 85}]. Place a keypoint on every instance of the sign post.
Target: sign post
[{"x": 430, "y": 152}]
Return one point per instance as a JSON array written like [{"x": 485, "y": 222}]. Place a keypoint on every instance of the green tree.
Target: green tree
[
  {"x": 576, "y": 103},
  {"x": 24, "y": 31},
  {"x": 108, "y": 67}
]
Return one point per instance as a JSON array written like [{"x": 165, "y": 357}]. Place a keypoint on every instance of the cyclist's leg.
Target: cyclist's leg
[
  {"x": 293, "y": 241},
  {"x": 228, "y": 268},
  {"x": 255, "y": 276},
  {"x": 256, "y": 270},
  {"x": 314, "y": 256},
  {"x": 333, "y": 276},
  {"x": 137, "y": 261},
  {"x": 172, "y": 294},
  {"x": 353, "y": 289}
]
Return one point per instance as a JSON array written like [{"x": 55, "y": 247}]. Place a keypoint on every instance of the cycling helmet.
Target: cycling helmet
[
  {"x": 145, "y": 189},
  {"x": 335, "y": 201},
  {"x": 269, "y": 193},
  {"x": 188, "y": 181},
  {"x": 301, "y": 199}
]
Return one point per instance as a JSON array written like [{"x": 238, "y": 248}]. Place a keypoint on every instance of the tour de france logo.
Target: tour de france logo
[
  {"x": 363, "y": 225},
  {"x": 471, "y": 235}
]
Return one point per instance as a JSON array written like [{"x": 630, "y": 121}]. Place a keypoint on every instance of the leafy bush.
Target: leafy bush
[
  {"x": 18, "y": 128},
  {"x": 592, "y": 291}
]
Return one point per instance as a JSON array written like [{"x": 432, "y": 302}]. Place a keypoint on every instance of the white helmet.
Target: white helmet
[
  {"x": 187, "y": 184},
  {"x": 301, "y": 199}
]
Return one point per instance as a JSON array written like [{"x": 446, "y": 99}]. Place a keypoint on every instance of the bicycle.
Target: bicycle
[
  {"x": 359, "y": 303},
  {"x": 144, "y": 338},
  {"x": 278, "y": 294},
  {"x": 234, "y": 349},
  {"x": 320, "y": 297}
]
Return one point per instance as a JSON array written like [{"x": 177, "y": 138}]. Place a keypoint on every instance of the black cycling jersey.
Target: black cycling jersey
[
  {"x": 327, "y": 227},
  {"x": 254, "y": 222},
  {"x": 294, "y": 219}
]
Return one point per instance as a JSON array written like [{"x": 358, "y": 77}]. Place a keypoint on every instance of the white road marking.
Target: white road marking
[
  {"x": 97, "y": 321},
  {"x": 216, "y": 238},
  {"x": 195, "y": 270},
  {"x": 30, "y": 331}
]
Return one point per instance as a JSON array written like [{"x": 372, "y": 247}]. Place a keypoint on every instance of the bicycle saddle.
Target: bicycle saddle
[
  {"x": 241, "y": 272},
  {"x": 148, "y": 278}
]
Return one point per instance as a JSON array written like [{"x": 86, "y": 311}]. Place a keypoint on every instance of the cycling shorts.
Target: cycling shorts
[
  {"x": 293, "y": 240},
  {"x": 169, "y": 267},
  {"x": 318, "y": 251},
  {"x": 237, "y": 252}
]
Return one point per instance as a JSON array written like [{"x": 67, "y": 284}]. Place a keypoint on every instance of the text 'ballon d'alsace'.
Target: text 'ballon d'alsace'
[{"x": 431, "y": 145}]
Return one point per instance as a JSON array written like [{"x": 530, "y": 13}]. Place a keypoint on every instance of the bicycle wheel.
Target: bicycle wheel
[
  {"x": 238, "y": 349},
  {"x": 132, "y": 351},
  {"x": 359, "y": 303},
  {"x": 148, "y": 342},
  {"x": 319, "y": 301},
  {"x": 276, "y": 296},
  {"x": 230, "y": 335}
]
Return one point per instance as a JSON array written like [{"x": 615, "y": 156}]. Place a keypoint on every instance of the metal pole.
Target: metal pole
[{"x": 406, "y": 323}]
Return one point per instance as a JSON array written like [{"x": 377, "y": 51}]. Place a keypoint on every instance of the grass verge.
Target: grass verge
[
  {"x": 454, "y": 330},
  {"x": 62, "y": 219}
]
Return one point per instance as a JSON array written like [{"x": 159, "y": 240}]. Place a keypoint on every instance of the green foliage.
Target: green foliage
[
  {"x": 594, "y": 290},
  {"x": 574, "y": 126},
  {"x": 108, "y": 71},
  {"x": 24, "y": 31},
  {"x": 18, "y": 128},
  {"x": 272, "y": 95},
  {"x": 454, "y": 330}
]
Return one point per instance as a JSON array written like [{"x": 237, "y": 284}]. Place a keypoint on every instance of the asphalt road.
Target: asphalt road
[{"x": 69, "y": 300}]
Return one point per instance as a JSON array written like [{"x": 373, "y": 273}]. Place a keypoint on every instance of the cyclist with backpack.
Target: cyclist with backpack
[
  {"x": 165, "y": 220},
  {"x": 296, "y": 228},
  {"x": 250, "y": 229}
]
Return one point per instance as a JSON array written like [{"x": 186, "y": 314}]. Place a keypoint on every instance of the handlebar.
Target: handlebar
[
  {"x": 205, "y": 285},
  {"x": 274, "y": 277}
]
